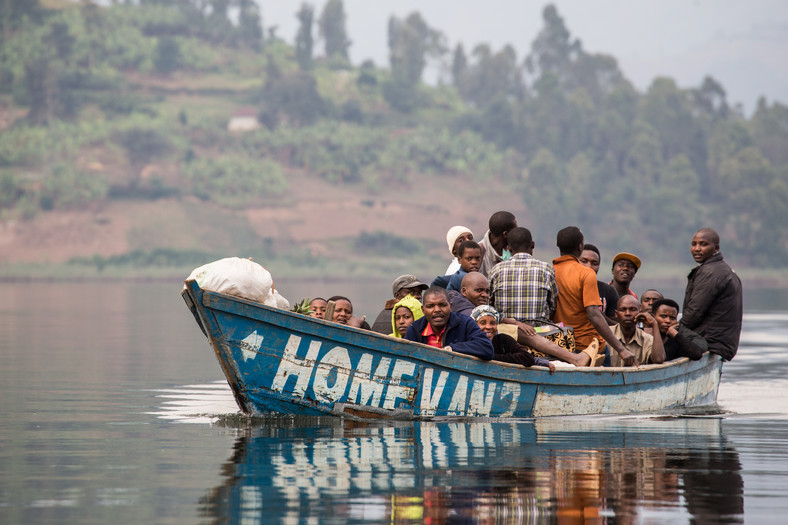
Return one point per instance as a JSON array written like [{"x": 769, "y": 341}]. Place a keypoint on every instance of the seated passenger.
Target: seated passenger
[
  {"x": 470, "y": 258},
  {"x": 648, "y": 298},
  {"x": 343, "y": 313},
  {"x": 506, "y": 348},
  {"x": 646, "y": 348},
  {"x": 403, "y": 285},
  {"x": 679, "y": 341},
  {"x": 404, "y": 312},
  {"x": 317, "y": 307},
  {"x": 476, "y": 292},
  {"x": 625, "y": 266},
  {"x": 442, "y": 328}
]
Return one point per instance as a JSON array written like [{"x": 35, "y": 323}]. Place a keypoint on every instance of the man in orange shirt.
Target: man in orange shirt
[{"x": 578, "y": 296}]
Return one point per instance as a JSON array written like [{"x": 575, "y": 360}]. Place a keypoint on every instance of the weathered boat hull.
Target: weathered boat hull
[{"x": 281, "y": 362}]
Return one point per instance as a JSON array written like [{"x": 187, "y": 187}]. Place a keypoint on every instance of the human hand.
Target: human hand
[
  {"x": 673, "y": 330},
  {"x": 551, "y": 366},
  {"x": 628, "y": 358},
  {"x": 356, "y": 321},
  {"x": 646, "y": 318},
  {"x": 526, "y": 329}
]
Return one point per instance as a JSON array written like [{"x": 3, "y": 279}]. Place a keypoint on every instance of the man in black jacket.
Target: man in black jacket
[{"x": 713, "y": 299}]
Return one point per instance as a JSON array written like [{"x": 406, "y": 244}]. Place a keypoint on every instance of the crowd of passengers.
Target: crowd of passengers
[{"x": 496, "y": 299}]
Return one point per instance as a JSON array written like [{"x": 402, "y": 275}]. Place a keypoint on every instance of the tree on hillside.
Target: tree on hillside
[
  {"x": 13, "y": 12},
  {"x": 411, "y": 41},
  {"x": 553, "y": 50},
  {"x": 332, "y": 29},
  {"x": 304, "y": 41},
  {"x": 250, "y": 24}
]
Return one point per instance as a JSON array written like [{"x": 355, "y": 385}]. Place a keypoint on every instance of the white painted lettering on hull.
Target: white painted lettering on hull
[
  {"x": 334, "y": 365},
  {"x": 290, "y": 365}
]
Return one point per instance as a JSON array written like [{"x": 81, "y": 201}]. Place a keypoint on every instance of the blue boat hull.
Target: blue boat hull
[{"x": 281, "y": 362}]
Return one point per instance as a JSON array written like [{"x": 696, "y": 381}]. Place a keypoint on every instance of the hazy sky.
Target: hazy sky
[{"x": 743, "y": 44}]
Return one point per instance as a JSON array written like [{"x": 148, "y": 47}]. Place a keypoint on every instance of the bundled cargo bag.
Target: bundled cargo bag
[{"x": 239, "y": 277}]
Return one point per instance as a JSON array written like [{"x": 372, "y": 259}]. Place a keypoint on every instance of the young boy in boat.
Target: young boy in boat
[
  {"x": 506, "y": 348},
  {"x": 442, "y": 328},
  {"x": 678, "y": 340},
  {"x": 646, "y": 348},
  {"x": 469, "y": 255},
  {"x": 317, "y": 307}
]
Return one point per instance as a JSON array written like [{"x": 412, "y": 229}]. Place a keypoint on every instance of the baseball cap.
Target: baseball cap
[{"x": 406, "y": 281}]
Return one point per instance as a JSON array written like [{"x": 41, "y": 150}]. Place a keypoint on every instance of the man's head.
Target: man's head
[
  {"x": 626, "y": 310},
  {"x": 625, "y": 266},
  {"x": 343, "y": 309},
  {"x": 590, "y": 257},
  {"x": 476, "y": 288},
  {"x": 705, "y": 243},
  {"x": 648, "y": 298},
  {"x": 521, "y": 241},
  {"x": 456, "y": 236},
  {"x": 570, "y": 241},
  {"x": 436, "y": 307},
  {"x": 501, "y": 223},
  {"x": 469, "y": 255},
  {"x": 666, "y": 312},
  {"x": 407, "y": 285}
]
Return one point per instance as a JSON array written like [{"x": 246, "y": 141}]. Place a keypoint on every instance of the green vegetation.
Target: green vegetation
[{"x": 132, "y": 101}]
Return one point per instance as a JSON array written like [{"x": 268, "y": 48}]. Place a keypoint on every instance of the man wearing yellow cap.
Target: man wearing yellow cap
[{"x": 625, "y": 266}]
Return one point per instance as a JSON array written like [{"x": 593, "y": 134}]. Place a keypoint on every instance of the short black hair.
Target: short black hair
[
  {"x": 568, "y": 239},
  {"x": 317, "y": 299},
  {"x": 665, "y": 302},
  {"x": 336, "y": 298},
  {"x": 502, "y": 221},
  {"x": 592, "y": 248},
  {"x": 464, "y": 245},
  {"x": 436, "y": 290},
  {"x": 520, "y": 239},
  {"x": 713, "y": 235}
]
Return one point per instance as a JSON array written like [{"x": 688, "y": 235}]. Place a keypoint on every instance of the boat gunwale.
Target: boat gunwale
[{"x": 628, "y": 375}]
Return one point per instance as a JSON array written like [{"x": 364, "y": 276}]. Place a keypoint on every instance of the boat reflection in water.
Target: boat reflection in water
[{"x": 562, "y": 470}]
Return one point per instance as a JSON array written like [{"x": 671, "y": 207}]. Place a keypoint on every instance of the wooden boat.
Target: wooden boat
[{"x": 282, "y": 362}]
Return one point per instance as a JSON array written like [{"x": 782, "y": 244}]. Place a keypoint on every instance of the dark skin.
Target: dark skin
[
  {"x": 667, "y": 319},
  {"x": 436, "y": 309},
  {"x": 402, "y": 292},
  {"x": 596, "y": 318},
  {"x": 467, "y": 236},
  {"x": 703, "y": 246},
  {"x": 471, "y": 259},
  {"x": 591, "y": 259},
  {"x": 628, "y": 314},
  {"x": 499, "y": 242},
  {"x": 623, "y": 273}
]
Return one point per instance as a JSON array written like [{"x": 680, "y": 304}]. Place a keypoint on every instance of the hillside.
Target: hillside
[{"x": 144, "y": 139}]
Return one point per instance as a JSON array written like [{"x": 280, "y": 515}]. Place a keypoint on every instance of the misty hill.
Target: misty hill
[{"x": 162, "y": 133}]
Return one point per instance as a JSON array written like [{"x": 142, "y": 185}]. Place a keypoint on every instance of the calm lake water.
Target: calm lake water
[{"x": 114, "y": 410}]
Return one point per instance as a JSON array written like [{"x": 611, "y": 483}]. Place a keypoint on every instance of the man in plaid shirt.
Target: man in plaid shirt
[{"x": 523, "y": 287}]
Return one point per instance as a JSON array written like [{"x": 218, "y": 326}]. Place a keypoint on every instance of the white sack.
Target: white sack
[{"x": 238, "y": 277}]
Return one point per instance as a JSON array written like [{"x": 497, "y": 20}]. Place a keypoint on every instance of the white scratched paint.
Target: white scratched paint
[{"x": 253, "y": 343}]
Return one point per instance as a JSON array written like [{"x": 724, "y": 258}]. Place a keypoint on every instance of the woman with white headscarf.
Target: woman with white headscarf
[{"x": 506, "y": 348}]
